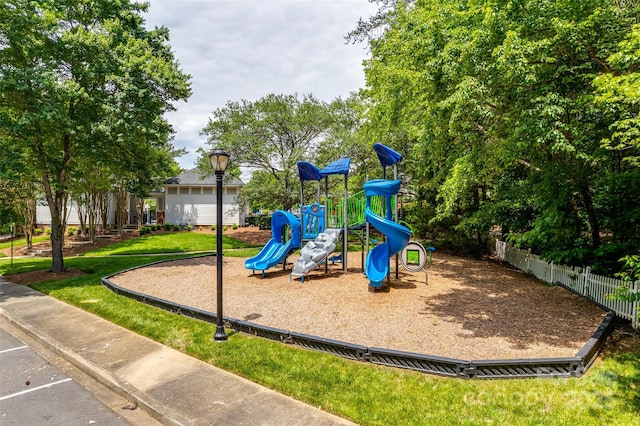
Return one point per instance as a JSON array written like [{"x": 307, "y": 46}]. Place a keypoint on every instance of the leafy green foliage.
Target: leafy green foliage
[
  {"x": 270, "y": 135},
  {"x": 630, "y": 273},
  {"x": 85, "y": 86},
  {"x": 516, "y": 114},
  {"x": 619, "y": 93}
]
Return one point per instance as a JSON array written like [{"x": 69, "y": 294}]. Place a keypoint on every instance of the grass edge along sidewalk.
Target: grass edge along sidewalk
[{"x": 368, "y": 395}]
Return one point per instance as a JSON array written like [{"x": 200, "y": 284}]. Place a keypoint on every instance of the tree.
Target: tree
[
  {"x": 502, "y": 123},
  {"x": 18, "y": 191},
  {"x": 152, "y": 168},
  {"x": 18, "y": 206},
  {"x": 344, "y": 139},
  {"x": 86, "y": 80},
  {"x": 271, "y": 135},
  {"x": 427, "y": 103}
]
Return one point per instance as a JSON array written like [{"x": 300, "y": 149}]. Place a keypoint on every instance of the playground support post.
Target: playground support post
[
  {"x": 395, "y": 212},
  {"x": 301, "y": 204},
  {"x": 345, "y": 233},
  {"x": 326, "y": 212}
]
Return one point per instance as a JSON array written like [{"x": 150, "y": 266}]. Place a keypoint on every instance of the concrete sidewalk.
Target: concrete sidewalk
[{"x": 174, "y": 388}]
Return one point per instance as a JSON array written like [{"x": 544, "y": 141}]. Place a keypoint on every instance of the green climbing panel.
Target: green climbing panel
[{"x": 355, "y": 210}]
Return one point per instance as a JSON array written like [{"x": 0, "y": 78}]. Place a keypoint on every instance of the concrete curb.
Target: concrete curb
[
  {"x": 170, "y": 386},
  {"x": 153, "y": 407}
]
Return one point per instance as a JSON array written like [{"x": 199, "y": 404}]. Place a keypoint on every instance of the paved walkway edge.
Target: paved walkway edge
[
  {"x": 170, "y": 386},
  {"x": 151, "y": 406}
]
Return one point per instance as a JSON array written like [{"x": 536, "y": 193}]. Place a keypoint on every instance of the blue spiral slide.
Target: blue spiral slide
[
  {"x": 277, "y": 248},
  {"x": 377, "y": 265}
]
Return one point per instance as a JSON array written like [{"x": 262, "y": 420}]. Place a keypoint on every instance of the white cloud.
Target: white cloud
[{"x": 247, "y": 49}]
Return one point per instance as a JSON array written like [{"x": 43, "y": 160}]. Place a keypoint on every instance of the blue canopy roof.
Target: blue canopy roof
[
  {"x": 387, "y": 156},
  {"x": 338, "y": 167},
  {"x": 308, "y": 171}
]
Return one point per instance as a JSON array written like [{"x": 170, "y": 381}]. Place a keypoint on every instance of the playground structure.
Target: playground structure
[
  {"x": 278, "y": 247},
  {"x": 317, "y": 233},
  {"x": 296, "y": 317},
  {"x": 397, "y": 236}
]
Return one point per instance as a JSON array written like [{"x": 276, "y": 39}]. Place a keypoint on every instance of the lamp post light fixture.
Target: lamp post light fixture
[{"x": 219, "y": 160}]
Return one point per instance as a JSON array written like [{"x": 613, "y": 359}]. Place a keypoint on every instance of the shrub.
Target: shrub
[
  {"x": 189, "y": 228},
  {"x": 234, "y": 226},
  {"x": 264, "y": 222},
  {"x": 47, "y": 231},
  {"x": 224, "y": 228},
  {"x": 176, "y": 227},
  {"x": 144, "y": 230},
  {"x": 38, "y": 231},
  {"x": 167, "y": 226},
  {"x": 213, "y": 227},
  {"x": 71, "y": 230}
]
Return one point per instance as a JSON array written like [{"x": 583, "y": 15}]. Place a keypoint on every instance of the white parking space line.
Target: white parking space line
[
  {"x": 13, "y": 349},
  {"x": 35, "y": 389}
]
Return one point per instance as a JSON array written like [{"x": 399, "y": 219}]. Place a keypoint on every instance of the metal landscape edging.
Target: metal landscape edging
[{"x": 450, "y": 367}]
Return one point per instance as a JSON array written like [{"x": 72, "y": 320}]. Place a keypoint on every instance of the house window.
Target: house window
[
  {"x": 231, "y": 190},
  {"x": 184, "y": 190},
  {"x": 207, "y": 191},
  {"x": 173, "y": 191}
]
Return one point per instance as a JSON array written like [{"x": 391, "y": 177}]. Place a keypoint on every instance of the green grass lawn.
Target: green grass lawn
[
  {"x": 366, "y": 394},
  {"x": 178, "y": 242},
  {"x": 21, "y": 242}
]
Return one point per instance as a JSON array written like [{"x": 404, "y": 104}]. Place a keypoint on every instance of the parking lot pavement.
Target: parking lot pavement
[{"x": 35, "y": 391}]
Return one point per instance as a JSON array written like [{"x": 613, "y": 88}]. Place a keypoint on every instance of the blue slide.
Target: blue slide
[
  {"x": 277, "y": 248},
  {"x": 377, "y": 265}
]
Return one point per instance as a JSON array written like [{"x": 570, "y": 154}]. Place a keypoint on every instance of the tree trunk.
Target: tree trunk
[
  {"x": 81, "y": 207},
  {"x": 593, "y": 220},
  {"x": 121, "y": 209},
  {"x": 56, "y": 203},
  {"x": 140, "y": 204},
  {"x": 103, "y": 206},
  {"x": 57, "y": 243},
  {"x": 57, "y": 232},
  {"x": 30, "y": 220},
  {"x": 91, "y": 215}
]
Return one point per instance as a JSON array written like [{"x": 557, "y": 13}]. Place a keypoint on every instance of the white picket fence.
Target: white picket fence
[{"x": 581, "y": 280}]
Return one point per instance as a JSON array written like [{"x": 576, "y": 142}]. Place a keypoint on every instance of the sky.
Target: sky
[{"x": 247, "y": 49}]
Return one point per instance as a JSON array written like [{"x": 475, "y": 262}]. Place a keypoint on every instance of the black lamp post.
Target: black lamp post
[{"x": 219, "y": 160}]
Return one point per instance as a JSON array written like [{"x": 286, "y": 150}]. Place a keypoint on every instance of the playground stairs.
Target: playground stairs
[
  {"x": 130, "y": 228},
  {"x": 314, "y": 252},
  {"x": 40, "y": 252}
]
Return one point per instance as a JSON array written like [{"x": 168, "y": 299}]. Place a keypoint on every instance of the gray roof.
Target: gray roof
[{"x": 192, "y": 177}]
